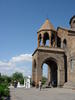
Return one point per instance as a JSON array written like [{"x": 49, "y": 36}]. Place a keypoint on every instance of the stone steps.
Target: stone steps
[{"x": 69, "y": 85}]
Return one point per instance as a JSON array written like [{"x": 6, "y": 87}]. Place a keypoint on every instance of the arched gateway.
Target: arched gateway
[
  {"x": 52, "y": 70},
  {"x": 49, "y": 51}
]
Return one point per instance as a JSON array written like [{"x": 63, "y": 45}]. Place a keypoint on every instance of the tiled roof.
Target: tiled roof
[{"x": 47, "y": 26}]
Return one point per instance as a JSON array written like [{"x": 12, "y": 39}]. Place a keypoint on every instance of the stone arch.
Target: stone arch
[
  {"x": 64, "y": 43},
  {"x": 39, "y": 39},
  {"x": 53, "y": 39},
  {"x": 52, "y": 70},
  {"x": 46, "y": 38},
  {"x": 60, "y": 68},
  {"x": 58, "y": 41},
  {"x": 51, "y": 58},
  {"x": 54, "y": 58}
]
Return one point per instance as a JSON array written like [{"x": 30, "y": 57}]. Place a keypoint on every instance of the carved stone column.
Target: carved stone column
[
  {"x": 42, "y": 39},
  {"x": 50, "y": 39},
  {"x": 56, "y": 40},
  {"x": 61, "y": 43}
]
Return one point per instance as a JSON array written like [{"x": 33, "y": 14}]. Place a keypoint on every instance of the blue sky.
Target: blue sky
[{"x": 19, "y": 22}]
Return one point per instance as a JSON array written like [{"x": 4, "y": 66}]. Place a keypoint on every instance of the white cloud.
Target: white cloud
[
  {"x": 22, "y": 57},
  {"x": 6, "y": 64},
  {"x": 17, "y": 64}
]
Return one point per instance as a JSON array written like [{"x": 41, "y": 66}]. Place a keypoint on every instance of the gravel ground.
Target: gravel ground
[{"x": 44, "y": 94}]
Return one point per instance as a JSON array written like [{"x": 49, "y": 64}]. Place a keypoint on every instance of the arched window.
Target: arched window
[
  {"x": 46, "y": 39},
  {"x": 64, "y": 43}
]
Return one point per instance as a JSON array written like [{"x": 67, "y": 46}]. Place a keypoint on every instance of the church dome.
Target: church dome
[
  {"x": 46, "y": 26},
  {"x": 72, "y": 22}
]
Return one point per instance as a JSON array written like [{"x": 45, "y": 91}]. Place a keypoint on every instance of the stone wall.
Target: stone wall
[{"x": 41, "y": 55}]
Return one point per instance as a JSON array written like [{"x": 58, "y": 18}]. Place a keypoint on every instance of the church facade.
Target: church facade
[{"x": 56, "y": 48}]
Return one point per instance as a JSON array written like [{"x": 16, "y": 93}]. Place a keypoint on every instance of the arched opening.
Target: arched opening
[
  {"x": 58, "y": 42},
  {"x": 50, "y": 72},
  {"x": 64, "y": 43},
  {"x": 40, "y": 39},
  {"x": 44, "y": 73},
  {"x": 46, "y": 39},
  {"x": 53, "y": 40}
]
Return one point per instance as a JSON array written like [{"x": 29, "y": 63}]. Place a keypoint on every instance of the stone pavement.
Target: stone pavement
[{"x": 44, "y": 94}]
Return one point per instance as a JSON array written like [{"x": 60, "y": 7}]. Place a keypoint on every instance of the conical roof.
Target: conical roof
[{"x": 46, "y": 26}]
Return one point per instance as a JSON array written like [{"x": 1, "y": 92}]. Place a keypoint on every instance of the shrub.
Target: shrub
[{"x": 4, "y": 91}]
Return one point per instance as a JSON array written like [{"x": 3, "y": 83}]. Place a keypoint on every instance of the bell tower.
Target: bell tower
[
  {"x": 47, "y": 35},
  {"x": 48, "y": 51}
]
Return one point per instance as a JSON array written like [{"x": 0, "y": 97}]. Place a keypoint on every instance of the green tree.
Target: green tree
[
  {"x": 5, "y": 79},
  {"x": 44, "y": 80},
  {"x": 4, "y": 83},
  {"x": 17, "y": 76}
]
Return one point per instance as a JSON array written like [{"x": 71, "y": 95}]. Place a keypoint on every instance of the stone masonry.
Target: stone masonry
[{"x": 56, "y": 48}]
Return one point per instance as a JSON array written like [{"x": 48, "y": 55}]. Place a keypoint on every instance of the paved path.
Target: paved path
[{"x": 44, "y": 94}]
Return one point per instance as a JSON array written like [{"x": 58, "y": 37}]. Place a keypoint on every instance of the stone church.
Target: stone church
[{"x": 56, "y": 48}]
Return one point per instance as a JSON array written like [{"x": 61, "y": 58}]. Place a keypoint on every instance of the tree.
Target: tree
[
  {"x": 44, "y": 80},
  {"x": 17, "y": 76},
  {"x": 4, "y": 83},
  {"x": 5, "y": 79}
]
